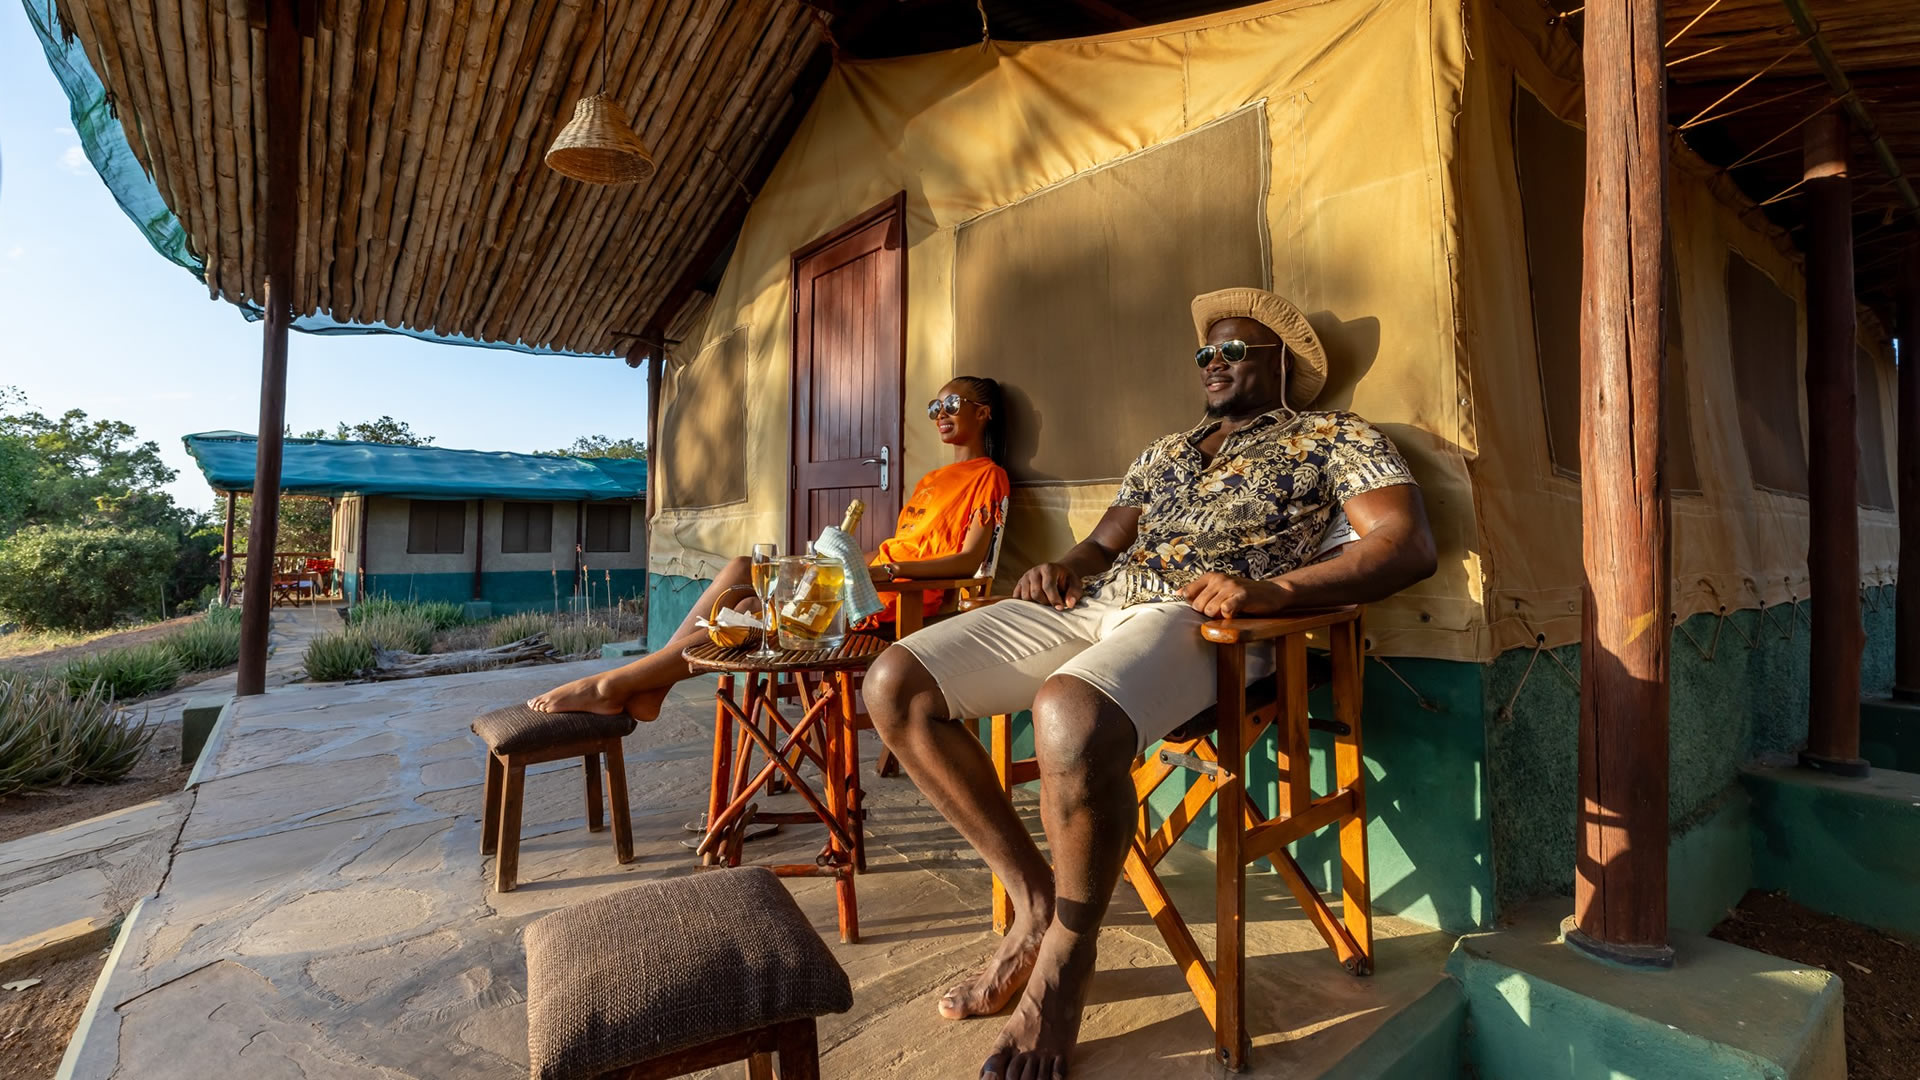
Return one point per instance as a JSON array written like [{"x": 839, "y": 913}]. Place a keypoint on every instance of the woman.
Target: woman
[{"x": 943, "y": 532}]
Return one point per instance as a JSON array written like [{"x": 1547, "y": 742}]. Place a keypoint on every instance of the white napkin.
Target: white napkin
[
  {"x": 732, "y": 617},
  {"x": 858, "y": 593}
]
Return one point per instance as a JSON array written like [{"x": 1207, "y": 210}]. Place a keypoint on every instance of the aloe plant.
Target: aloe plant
[{"x": 50, "y": 737}]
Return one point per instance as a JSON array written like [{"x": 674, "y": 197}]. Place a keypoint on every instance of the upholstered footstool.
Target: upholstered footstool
[
  {"x": 677, "y": 976},
  {"x": 517, "y": 737}
]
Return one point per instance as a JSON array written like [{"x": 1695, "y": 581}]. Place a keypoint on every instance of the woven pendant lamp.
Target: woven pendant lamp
[{"x": 598, "y": 145}]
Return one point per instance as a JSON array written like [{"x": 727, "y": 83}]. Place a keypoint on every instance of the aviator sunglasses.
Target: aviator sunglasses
[
  {"x": 946, "y": 406},
  {"x": 1232, "y": 351}
]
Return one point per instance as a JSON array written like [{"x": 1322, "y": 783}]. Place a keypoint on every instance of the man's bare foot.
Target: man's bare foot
[
  {"x": 590, "y": 694},
  {"x": 1038, "y": 1041},
  {"x": 1006, "y": 974}
]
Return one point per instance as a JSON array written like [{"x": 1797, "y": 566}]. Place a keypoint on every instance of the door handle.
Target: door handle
[{"x": 883, "y": 462}]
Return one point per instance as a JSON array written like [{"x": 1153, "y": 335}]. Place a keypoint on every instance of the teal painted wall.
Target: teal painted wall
[
  {"x": 669, "y": 598},
  {"x": 508, "y": 591},
  {"x": 1890, "y": 734},
  {"x": 1739, "y": 690},
  {"x": 1847, "y": 847}
]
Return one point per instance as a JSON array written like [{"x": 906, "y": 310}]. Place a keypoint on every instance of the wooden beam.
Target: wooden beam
[
  {"x": 1906, "y": 619},
  {"x": 226, "y": 553},
  {"x": 1833, "y": 456},
  {"x": 1620, "y": 883},
  {"x": 283, "y": 162}
]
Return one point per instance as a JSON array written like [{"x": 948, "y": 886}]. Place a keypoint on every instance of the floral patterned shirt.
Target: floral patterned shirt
[{"x": 1257, "y": 510}]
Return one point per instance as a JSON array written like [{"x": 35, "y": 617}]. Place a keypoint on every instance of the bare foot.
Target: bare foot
[
  {"x": 1006, "y": 974},
  {"x": 590, "y": 694},
  {"x": 1038, "y": 1041}
]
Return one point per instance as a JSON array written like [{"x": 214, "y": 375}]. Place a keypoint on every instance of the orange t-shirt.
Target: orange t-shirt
[{"x": 934, "y": 521}]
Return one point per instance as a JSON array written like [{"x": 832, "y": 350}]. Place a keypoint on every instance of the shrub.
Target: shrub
[
  {"x": 49, "y": 738},
  {"x": 338, "y": 655},
  {"x": 443, "y": 614},
  {"x": 210, "y": 643},
  {"x": 514, "y": 627},
  {"x": 440, "y": 614},
  {"x": 581, "y": 638},
  {"x": 81, "y": 577},
  {"x": 130, "y": 672},
  {"x": 405, "y": 631}
]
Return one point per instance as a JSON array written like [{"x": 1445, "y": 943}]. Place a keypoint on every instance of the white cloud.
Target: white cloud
[
  {"x": 75, "y": 160},
  {"x": 16, "y": 252},
  {"x": 65, "y": 131}
]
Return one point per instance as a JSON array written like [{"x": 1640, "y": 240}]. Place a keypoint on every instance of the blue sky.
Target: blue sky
[{"x": 93, "y": 318}]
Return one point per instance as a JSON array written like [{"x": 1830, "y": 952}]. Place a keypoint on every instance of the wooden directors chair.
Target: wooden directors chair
[{"x": 1216, "y": 746}]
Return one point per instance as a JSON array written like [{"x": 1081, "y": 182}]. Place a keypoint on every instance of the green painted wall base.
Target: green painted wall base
[
  {"x": 477, "y": 610},
  {"x": 1847, "y": 847},
  {"x": 1710, "y": 863},
  {"x": 1539, "y": 1011},
  {"x": 614, "y": 650},
  {"x": 1425, "y": 1041},
  {"x": 669, "y": 598},
  {"x": 1890, "y": 734},
  {"x": 511, "y": 591}
]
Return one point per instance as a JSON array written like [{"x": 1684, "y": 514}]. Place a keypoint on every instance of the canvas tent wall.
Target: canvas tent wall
[{"x": 1065, "y": 199}]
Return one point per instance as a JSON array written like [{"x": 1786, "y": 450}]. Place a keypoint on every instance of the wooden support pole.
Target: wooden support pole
[
  {"x": 226, "y": 553},
  {"x": 1833, "y": 457},
  {"x": 1906, "y": 617},
  {"x": 1620, "y": 885},
  {"x": 283, "y": 163},
  {"x": 480, "y": 542}
]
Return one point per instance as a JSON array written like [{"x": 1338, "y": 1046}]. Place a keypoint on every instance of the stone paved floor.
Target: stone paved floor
[{"x": 326, "y": 913}]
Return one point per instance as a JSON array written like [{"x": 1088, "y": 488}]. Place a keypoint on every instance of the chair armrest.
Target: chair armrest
[
  {"x": 969, "y": 603},
  {"x": 1241, "y": 631},
  {"x": 910, "y": 584}
]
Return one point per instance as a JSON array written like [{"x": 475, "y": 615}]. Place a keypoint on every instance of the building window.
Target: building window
[
  {"x": 526, "y": 527},
  {"x": 609, "y": 527},
  {"x": 436, "y": 528},
  {"x": 1764, "y": 330}
]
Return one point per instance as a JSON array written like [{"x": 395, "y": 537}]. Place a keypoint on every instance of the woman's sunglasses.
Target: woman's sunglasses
[
  {"x": 1233, "y": 351},
  {"x": 946, "y": 406}
]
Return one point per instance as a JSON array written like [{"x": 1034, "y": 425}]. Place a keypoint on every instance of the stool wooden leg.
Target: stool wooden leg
[
  {"x": 1000, "y": 740},
  {"x": 760, "y": 1067},
  {"x": 1350, "y": 773},
  {"x": 490, "y": 813},
  {"x": 596, "y": 818},
  {"x": 799, "y": 1050},
  {"x": 617, "y": 794},
  {"x": 507, "y": 866}
]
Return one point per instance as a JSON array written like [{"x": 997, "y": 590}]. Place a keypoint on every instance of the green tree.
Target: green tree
[
  {"x": 306, "y": 524},
  {"x": 84, "y": 577},
  {"x": 86, "y": 470},
  {"x": 601, "y": 446},
  {"x": 384, "y": 430}
]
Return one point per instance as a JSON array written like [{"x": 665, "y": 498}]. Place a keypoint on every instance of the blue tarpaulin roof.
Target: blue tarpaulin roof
[{"x": 329, "y": 467}]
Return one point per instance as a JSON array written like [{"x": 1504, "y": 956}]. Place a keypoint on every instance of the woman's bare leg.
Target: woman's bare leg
[{"x": 639, "y": 688}]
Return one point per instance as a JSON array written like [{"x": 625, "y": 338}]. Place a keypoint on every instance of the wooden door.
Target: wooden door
[{"x": 849, "y": 360}]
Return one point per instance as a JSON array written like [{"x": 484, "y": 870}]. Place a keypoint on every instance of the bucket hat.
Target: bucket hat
[{"x": 1307, "y": 372}]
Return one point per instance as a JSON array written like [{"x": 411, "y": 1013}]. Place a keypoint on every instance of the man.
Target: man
[{"x": 1104, "y": 644}]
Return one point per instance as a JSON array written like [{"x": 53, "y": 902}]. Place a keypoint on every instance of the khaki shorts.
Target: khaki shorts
[{"x": 1149, "y": 659}]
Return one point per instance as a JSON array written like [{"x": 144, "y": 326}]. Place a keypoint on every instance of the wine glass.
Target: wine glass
[{"x": 763, "y": 574}]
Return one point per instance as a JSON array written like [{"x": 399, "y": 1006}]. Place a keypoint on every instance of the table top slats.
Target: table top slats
[{"x": 854, "y": 654}]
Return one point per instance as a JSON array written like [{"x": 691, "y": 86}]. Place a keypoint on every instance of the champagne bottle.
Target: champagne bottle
[{"x": 817, "y": 597}]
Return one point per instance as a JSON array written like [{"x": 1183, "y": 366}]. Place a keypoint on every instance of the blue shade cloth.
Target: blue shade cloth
[
  {"x": 331, "y": 468},
  {"x": 105, "y": 141}
]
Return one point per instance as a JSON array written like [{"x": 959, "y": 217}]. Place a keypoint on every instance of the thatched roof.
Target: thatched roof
[
  {"x": 425, "y": 203},
  {"x": 424, "y": 200}
]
